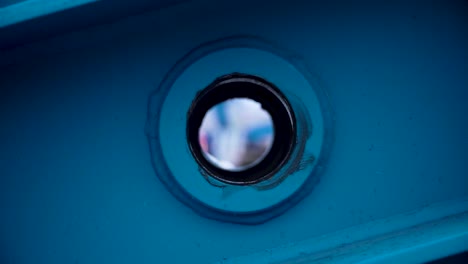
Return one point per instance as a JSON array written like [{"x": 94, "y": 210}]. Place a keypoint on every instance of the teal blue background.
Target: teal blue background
[{"x": 76, "y": 182}]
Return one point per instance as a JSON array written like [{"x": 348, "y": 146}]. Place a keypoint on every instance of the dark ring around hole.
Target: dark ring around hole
[{"x": 239, "y": 85}]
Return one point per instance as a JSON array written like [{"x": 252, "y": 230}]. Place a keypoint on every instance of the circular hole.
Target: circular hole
[
  {"x": 241, "y": 129},
  {"x": 236, "y": 134}
]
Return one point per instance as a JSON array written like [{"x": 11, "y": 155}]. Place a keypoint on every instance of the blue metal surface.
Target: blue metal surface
[
  {"x": 166, "y": 132},
  {"x": 76, "y": 182},
  {"x": 21, "y": 11},
  {"x": 416, "y": 244}
]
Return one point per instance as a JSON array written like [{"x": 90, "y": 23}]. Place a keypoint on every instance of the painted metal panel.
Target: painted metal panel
[{"x": 76, "y": 180}]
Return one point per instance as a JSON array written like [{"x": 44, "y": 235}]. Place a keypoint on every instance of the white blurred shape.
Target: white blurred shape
[{"x": 224, "y": 134}]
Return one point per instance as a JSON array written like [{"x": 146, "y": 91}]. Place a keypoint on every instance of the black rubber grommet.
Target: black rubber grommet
[{"x": 239, "y": 85}]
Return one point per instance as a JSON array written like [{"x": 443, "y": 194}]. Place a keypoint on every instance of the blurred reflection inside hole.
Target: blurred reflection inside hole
[{"x": 236, "y": 134}]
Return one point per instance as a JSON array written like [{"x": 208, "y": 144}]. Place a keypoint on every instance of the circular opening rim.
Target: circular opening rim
[{"x": 238, "y": 85}]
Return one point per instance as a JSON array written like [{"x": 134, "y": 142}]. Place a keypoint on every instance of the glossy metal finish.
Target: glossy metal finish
[
  {"x": 76, "y": 180},
  {"x": 289, "y": 171}
]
